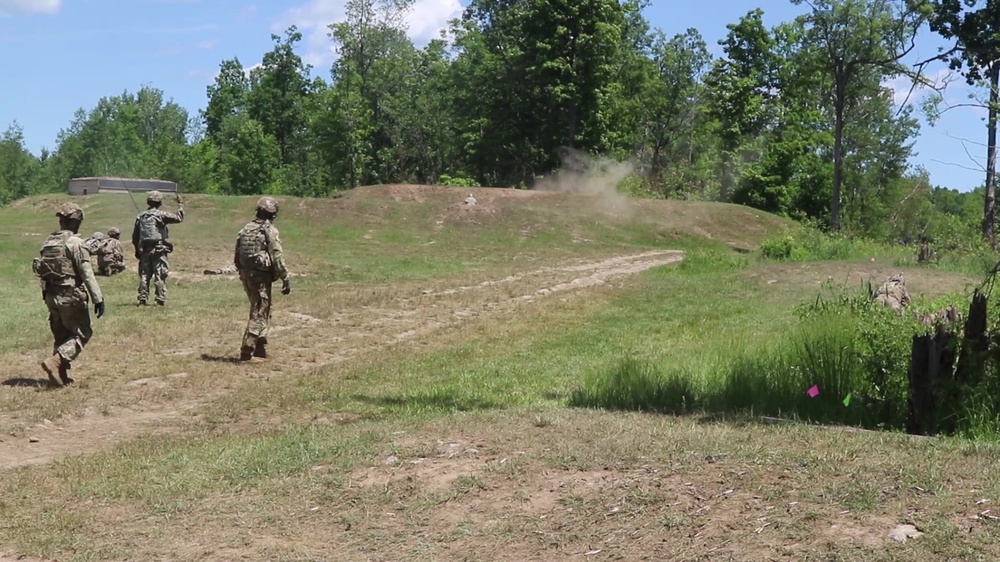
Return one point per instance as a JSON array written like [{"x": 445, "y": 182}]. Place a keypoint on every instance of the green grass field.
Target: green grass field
[{"x": 538, "y": 377}]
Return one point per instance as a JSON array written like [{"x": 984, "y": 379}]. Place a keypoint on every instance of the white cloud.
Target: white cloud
[
  {"x": 424, "y": 22},
  {"x": 429, "y": 17},
  {"x": 247, "y": 12},
  {"x": 20, "y": 7},
  {"x": 209, "y": 44}
]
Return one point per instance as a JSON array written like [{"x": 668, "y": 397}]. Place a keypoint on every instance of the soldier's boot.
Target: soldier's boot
[
  {"x": 141, "y": 302},
  {"x": 53, "y": 368},
  {"x": 260, "y": 349},
  {"x": 246, "y": 354},
  {"x": 64, "y": 373},
  {"x": 160, "y": 303}
]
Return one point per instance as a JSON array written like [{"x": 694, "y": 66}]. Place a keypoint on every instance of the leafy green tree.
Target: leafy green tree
[
  {"x": 18, "y": 167},
  {"x": 974, "y": 25},
  {"x": 856, "y": 37},
  {"x": 279, "y": 87},
  {"x": 673, "y": 106},
  {"x": 248, "y": 157},
  {"x": 741, "y": 88},
  {"x": 549, "y": 69},
  {"x": 140, "y": 135},
  {"x": 227, "y": 95},
  {"x": 372, "y": 73}
]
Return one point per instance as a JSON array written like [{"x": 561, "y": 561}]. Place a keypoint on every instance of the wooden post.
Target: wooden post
[
  {"x": 976, "y": 342},
  {"x": 931, "y": 360}
]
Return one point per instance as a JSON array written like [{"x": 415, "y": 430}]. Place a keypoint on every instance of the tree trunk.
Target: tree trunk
[
  {"x": 838, "y": 149},
  {"x": 989, "y": 208}
]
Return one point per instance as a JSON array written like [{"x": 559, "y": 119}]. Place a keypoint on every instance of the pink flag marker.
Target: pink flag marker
[{"x": 813, "y": 392}]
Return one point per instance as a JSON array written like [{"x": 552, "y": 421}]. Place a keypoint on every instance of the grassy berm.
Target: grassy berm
[{"x": 434, "y": 393}]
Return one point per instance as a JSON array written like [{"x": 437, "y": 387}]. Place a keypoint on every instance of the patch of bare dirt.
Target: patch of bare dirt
[
  {"x": 49, "y": 441},
  {"x": 508, "y": 495}
]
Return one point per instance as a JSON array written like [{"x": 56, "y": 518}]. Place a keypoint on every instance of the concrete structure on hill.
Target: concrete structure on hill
[{"x": 89, "y": 186}]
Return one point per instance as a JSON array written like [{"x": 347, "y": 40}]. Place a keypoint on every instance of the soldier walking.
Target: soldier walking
[
  {"x": 150, "y": 238},
  {"x": 67, "y": 280},
  {"x": 259, "y": 261}
]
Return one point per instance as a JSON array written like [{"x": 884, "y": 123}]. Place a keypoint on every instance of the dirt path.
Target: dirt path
[{"x": 321, "y": 342}]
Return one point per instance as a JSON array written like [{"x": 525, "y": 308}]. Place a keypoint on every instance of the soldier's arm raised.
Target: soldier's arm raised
[{"x": 172, "y": 218}]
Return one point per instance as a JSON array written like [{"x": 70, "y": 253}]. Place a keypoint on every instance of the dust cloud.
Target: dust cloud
[{"x": 595, "y": 177}]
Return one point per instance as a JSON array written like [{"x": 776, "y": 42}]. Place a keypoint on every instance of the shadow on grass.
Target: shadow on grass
[
  {"x": 435, "y": 400},
  {"x": 765, "y": 383},
  {"x": 28, "y": 382},
  {"x": 219, "y": 358}
]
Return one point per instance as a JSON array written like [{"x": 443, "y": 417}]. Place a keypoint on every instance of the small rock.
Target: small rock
[
  {"x": 903, "y": 532},
  {"x": 33, "y": 440},
  {"x": 391, "y": 459}
]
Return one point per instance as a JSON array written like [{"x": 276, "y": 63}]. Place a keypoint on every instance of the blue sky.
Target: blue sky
[{"x": 61, "y": 55}]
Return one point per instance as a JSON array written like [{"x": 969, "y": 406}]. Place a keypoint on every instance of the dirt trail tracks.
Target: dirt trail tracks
[{"x": 349, "y": 332}]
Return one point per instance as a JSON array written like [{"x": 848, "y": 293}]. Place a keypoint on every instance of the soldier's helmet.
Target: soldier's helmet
[
  {"x": 114, "y": 232},
  {"x": 70, "y": 211},
  {"x": 268, "y": 205},
  {"x": 154, "y": 197}
]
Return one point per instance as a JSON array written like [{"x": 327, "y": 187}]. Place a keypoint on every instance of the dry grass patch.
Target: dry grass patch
[{"x": 501, "y": 486}]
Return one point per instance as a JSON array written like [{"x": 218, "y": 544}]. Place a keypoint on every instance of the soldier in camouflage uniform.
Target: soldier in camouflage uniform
[
  {"x": 67, "y": 280},
  {"x": 151, "y": 243},
  {"x": 110, "y": 255},
  {"x": 94, "y": 242},
  {"x": 259, "y": 261}
]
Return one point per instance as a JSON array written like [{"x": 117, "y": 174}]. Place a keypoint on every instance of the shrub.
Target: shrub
[
  {"x": 457, "y": 181},
  {"x": 778, "y": 248}
]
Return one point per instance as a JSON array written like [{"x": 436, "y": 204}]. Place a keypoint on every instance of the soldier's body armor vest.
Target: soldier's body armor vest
[
  {"x": 54, "y": 265},
  {"x": 253, "y": 247}
]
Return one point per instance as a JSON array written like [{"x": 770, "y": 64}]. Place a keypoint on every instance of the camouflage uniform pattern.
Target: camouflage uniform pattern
[
  {"x": 94, "y": 242},
  {"x": 893, "y": 294},
  {"x": 69, "y": 317},
  {"x": 110, "y": 258},
  {"x": 257, "y": 281},
  {"x": 153, "y": 264}
]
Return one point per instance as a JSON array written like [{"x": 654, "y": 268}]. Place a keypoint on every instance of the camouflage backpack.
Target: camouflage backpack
[
  {"x": 54, "y": 265},
  {"x": 253, "y": 247},
  {"x": 151, "y": 228}
]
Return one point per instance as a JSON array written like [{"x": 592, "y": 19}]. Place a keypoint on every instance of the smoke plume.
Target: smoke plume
[{"x": 596, "y": 177}]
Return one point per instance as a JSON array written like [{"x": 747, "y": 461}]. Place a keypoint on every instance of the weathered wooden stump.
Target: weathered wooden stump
[
  {"x": 925, "y": 254},
  {"x": 931, "y": 362},
  {"x": 976, "y": 342}
]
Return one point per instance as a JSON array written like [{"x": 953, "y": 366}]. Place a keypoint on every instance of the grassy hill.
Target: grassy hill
[{"x": 418, "y": 404}]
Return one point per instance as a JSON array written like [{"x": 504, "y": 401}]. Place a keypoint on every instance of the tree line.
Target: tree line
[{"x": 792, "y": 119}]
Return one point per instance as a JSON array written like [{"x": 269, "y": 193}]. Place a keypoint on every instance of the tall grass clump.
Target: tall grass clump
[
  {"x": 843, "y": 344},
  {"x": 712, "y": 261},
  {"x": 811, "y": 244}
]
